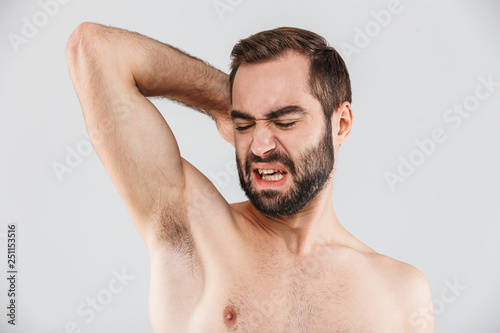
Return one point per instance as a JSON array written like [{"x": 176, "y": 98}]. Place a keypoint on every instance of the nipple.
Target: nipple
[{"x": 229, "y": 316}]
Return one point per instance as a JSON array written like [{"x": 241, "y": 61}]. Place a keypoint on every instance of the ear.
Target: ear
[{"x": 342, "y": 122}]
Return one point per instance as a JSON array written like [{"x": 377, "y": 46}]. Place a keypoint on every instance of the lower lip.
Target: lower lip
[{"x": 262, "y": 183}]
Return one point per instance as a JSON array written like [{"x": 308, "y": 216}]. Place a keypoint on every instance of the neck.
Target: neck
[{"x": 312, "y": 226}]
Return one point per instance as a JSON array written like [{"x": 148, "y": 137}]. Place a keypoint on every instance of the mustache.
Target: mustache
[{"x": 273, "y": 157}]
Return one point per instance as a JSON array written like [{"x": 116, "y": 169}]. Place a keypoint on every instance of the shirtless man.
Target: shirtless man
[{"x": 280, "y": 262}]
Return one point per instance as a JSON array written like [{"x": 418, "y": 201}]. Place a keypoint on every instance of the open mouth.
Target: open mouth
[{"x": 270, "y": 174}]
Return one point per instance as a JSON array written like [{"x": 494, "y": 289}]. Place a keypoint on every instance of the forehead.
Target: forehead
[{"x": 260, "y": 87}]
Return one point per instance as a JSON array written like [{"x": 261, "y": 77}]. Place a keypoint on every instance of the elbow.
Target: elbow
[{"x": 81, "y": 42}]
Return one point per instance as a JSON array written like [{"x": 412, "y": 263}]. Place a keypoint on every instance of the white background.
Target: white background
[{"x": 74, "y": 231}]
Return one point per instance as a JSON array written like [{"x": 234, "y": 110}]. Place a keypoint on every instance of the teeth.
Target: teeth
[
  {"x": 267, "y": 171},
  {"x": 276, "y": 176}
]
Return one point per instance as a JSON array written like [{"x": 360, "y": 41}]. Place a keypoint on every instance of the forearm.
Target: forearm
[{"x": 159, "y": 69}]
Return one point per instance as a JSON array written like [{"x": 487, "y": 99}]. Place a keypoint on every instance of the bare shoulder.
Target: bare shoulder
[
  {"x": 405, "y": 277},
  {"x": 407, "y": 286},
  {"x": 402, "y": 277}
]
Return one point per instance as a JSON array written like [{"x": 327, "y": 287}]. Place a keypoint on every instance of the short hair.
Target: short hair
[{"x": 328, "y": 76}]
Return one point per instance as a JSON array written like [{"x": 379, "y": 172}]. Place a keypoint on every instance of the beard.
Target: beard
[{"x": 309, "y": 175}]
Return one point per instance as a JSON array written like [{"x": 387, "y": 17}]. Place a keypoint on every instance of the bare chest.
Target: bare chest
[{"x": 307, "y": 295}]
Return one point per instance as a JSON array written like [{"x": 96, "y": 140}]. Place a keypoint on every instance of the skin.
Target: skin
[{"x": 220, "y": 267}]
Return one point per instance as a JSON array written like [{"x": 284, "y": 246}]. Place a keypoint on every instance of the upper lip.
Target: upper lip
[{"x": 268, "y": 166}]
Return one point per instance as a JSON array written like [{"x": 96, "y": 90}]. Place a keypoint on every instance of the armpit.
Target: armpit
[{"x": 171, "y": 227}]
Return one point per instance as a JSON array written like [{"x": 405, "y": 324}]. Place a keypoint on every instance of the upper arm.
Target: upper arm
[
  {"x": 418, "y": 301},
  {"x": 169, "y": 200},
  {"x": 130, "y": 136}
]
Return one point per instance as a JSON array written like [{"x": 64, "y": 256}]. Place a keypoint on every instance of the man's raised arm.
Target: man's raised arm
[{"x": 113, "y": 71}]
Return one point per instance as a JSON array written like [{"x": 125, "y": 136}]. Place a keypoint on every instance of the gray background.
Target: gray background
[{"x": 74, "y": 231}]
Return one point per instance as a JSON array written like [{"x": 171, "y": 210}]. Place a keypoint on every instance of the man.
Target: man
[{"x": 280, "y": 262}]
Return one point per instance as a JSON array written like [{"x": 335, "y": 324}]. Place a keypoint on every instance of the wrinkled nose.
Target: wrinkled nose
[{"x": 263, "y": 141}]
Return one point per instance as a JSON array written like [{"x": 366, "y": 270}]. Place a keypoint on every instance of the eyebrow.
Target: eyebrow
[{"x": 289, "y": 109}]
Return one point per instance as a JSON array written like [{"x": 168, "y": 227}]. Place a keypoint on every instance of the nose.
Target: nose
[{"x": 263, "y": 141}]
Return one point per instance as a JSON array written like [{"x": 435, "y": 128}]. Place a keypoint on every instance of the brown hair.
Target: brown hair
[{"x": 328, "y": 76}]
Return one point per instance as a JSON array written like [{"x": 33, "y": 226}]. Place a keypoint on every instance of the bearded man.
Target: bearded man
[{"x": 280, "y": 262}]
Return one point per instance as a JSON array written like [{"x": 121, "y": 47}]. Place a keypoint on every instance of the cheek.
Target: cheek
[
  {"x": 241, "y": 153},
  {"x": 295, "y": 141},
  {"x": 311, "y": 134},
  {"x": 242, "y": 143}
]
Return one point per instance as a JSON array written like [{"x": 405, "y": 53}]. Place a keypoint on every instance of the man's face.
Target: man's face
[{"x": 284, "y": 148}]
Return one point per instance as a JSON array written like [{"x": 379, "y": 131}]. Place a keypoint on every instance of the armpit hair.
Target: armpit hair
[{"x": 172, "y": 227}]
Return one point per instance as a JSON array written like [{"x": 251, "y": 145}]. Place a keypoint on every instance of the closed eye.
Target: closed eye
[
  {"x": 242, "y": 128},
  {"x": 285, "y": 125}
]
